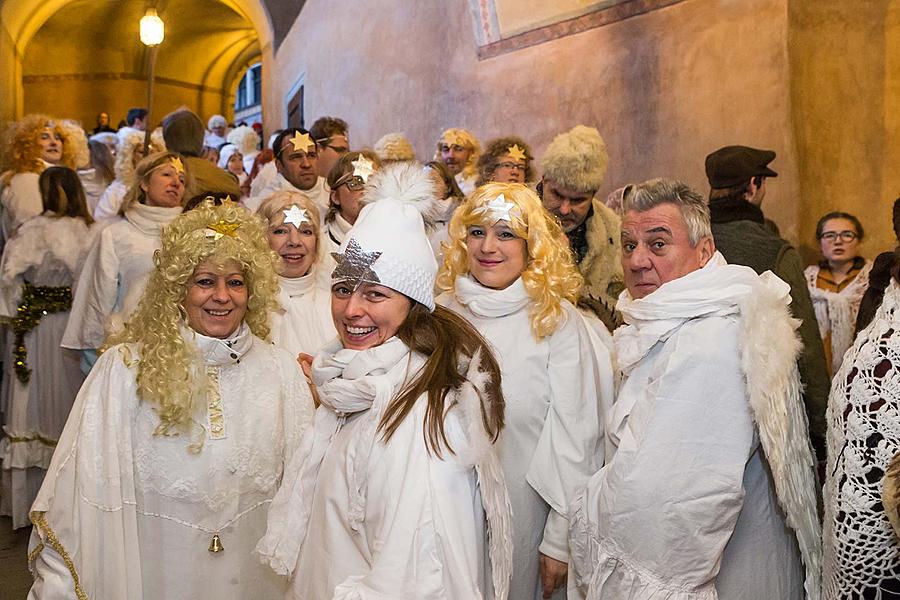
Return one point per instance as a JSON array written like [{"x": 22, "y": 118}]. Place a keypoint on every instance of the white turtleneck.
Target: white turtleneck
[{"x": 304, "y": 323}]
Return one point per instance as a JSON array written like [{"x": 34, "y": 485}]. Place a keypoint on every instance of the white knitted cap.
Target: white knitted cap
[{"x": 387, "y": 245}]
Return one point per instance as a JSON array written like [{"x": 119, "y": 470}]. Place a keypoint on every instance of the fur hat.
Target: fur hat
[
  {"x": 576, "y": 160},
  {"x": 183, "y": 132},
  {"x": 394, "y": 147},
  {"x": 387, "y": 245}
]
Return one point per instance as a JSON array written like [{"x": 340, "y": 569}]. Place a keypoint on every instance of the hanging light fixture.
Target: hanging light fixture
[{"x": 153, "y": 30}]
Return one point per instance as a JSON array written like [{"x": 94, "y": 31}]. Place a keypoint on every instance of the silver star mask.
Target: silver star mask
[{"x": 355, "y": 265}]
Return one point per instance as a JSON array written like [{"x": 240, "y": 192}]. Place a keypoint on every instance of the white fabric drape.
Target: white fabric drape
[{"x": 303, "y": 323}]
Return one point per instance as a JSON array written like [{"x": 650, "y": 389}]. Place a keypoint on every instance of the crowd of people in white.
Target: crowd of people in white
[{"x": 298, "y": 370}]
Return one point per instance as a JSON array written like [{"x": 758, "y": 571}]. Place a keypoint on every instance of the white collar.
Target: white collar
[
  {"x": 487, "y": 302},
  {"x": 217, "y": 352},
  {"x": 295, "y": 287},
  {"x": 151, "y": 219}
]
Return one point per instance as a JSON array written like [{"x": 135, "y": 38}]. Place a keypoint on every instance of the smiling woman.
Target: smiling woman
[{"x": 177, "y": 441}]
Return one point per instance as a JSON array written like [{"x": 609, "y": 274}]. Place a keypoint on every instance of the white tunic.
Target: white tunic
[
  {"x": 46, "y": 251},
  {"x": 319, "y": 193},
  {"x": 115, "y": 272},
  {"x": 862, "y": 554},
  {"x": 360, "y": 518},
  {"x": 685, "y": 507},
  {"x": 836, "y": 311},
  {"x": 111, "y": 201},
  {"x": 135, "y": 513},
  {"x": 552, "y": 441},
  {"x": 303, "y": 323}
]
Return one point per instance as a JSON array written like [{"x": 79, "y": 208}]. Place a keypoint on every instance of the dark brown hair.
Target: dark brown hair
[
  {"x": 63, "y": 194},
  {"x": 490, "y": 158},
  {"x": 443, "y": 337},
  {"x": 820, "y": 226}
]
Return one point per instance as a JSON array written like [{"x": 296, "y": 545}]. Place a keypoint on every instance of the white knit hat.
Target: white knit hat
[{"x": 387, "y": 245}]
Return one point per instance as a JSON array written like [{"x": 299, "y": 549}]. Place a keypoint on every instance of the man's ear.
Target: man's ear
[
  {"x": 707, "y": 248},
  {"x": 751, "y": 189}
]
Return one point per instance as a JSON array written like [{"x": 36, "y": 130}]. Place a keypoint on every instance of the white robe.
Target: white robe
[
  {"x": 135, "y": 513},
  {"x": 303, "y": 323},
  {"x": 685, "y": 507},
  {"x": 319, "y": 193},
  {"x": 111, "y": 201},
  {"x": 836, "y": 311},
  {"x": 114, "y": 275},
  {"x": 552, "y": 440},
  {"x": 20, "y": 200},
  {"x": 360, "y": 518},
  {"x": 46, "y": 251}
]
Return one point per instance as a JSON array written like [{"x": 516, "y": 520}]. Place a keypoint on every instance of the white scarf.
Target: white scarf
[
  {"x": 338, "y": 229},
  {"x": 490, "y": 303},
  {"x": 151, "y": 219},
  {"x": 836, "y": 311},
  {"x": 769, "y": 350},
  {"x": 349, "y": 382}
]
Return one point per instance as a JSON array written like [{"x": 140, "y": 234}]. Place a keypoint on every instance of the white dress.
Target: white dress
[
  {"x": 303, "y": 323},
  {"x": 836, "y": 311},
  {"x": 687, "y": 506},
  {"x": 358, "y": 518},
  {"x": 114, "y": 275},
  {"x": 862, "y": 554},
  {"x": 111, "y": 201},
  {"x": 45, "y": 253},
  {"x": 128, "y": 514},
  {"x": 552, "y": 441}
]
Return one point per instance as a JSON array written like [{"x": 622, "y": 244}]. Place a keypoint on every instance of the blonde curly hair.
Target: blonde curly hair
[
  {"x": 170, "y": 374},
  {"x": 465, "y": 139},
  {"x": 550, "y": 275},
  {"x": 22, "y": 148}
]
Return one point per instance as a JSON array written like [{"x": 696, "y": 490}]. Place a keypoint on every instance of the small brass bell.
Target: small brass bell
[{"x": 216, "y": 544}]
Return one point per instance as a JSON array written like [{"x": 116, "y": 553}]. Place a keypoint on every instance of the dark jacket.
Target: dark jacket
[{"x": 741, "y": 236}]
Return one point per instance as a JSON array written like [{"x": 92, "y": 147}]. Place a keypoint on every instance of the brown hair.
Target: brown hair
[
  {"x": 142, "y": 172},
  {"x": 449, "y": 180},
  {"x": 444, "y": 338},
  {"x": 63, "y": 194},
  {"x": 490, "y": 158},
  {"x": 339, "y": 174}
]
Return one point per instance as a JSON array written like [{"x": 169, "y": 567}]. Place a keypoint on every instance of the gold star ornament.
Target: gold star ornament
[
  {"x": 516, "y": 153},
  {"x": 363, "y": 168},
  {"x": 496, "y": 210},
  {"x": 216, "y": 230},
  {"x": 296, "y": 216},
  {"x": 355, "y": 265},
  {"x": 302, "y": 142},
  {"x": 175, "y": 161}
]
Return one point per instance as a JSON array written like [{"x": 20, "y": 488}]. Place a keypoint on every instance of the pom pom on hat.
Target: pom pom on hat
[{"x": 576, "y": 159}]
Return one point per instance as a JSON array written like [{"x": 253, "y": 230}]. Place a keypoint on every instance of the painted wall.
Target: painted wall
[
  {"x": 10, "y": 77},
  {"x": 664, "y": 88}
]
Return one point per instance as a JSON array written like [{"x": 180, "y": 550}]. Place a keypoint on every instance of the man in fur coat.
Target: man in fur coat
[
  {"x": 708, "y": 490},
  {"x": 573, "y": 168}
]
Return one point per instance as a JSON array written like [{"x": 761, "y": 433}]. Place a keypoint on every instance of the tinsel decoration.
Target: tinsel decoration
[{"x": 36, "y": 302}]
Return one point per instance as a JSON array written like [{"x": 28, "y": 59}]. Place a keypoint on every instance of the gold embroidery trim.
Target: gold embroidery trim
[
  {"x": 215, "y": 413},
  {"x": 39, "y": 520}
]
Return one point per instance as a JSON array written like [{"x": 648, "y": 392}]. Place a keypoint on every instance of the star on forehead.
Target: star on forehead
[
  {"x": 220, "y": 228},
  {"x": 496, "y": 210},
  {"x": 362, "y": 168},
  {"x": 175, "y": 161},
  {"x": 296, "y": 216},
  {"x": 515, "y": 152},
  {"x": 355, "y": 264},
  {"x": 302, "y": 141}
]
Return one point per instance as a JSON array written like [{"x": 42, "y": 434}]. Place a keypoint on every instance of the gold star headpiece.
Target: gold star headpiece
[
  {"x": 516, "y": 153},
  {"x": 175, "y": 161},
  {"x": 302, "y": 142},
  {"x": 216, "y": 230}
]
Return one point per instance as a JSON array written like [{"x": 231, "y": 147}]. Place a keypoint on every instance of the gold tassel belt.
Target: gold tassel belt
[{"x": 36, "y": 302}]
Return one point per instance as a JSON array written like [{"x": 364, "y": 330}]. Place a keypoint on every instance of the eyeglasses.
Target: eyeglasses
[
  {"x": 511, "y": 166},
  {"x": 338, "y": 149},
  {"x": 353, "y": 182},
  {"x": 831, "y": 236}
]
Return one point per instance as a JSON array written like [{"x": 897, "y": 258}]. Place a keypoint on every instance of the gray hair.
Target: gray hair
[{"x": 652, "y": 193}]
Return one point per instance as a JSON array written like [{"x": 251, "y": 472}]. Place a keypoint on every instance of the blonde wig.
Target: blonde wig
[
  {"x": 76, "y": 138},
  {"x": 245, "y": 138},
  {"x": 125, "y": 150},
  {"x": 170, "y": 373},
  {"x": 22, "y": 148},
  {"x": 465, "y": 139},
  {"x": 272, "y": 211},
  {"x": 550, "y": 275},
  {"x": 142, "y": 173}
]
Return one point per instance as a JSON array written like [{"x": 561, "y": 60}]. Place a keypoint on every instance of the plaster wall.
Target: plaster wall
[
  {"x": 10, "y": 77},
  {"x": 664, "y": 88}
]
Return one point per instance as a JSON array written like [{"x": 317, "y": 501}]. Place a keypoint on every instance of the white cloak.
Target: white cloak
[
  {"x": 45, "y": 251},
  {"x": 552, "y": 441},
  {"x": 114, "y": 275},
  {"x": 686, "y": 506},
  {"x": 303, "y": 323},
  {"x": 126, "y": 514},
  {"x": 20, "y": 200}
]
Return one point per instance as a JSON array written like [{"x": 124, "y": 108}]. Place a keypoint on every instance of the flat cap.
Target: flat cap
[{"x": 734, "y": 165}]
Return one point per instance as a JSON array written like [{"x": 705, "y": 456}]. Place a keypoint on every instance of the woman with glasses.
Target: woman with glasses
[
  {"x": 347, "y": 179},
  {"x": 506, "y": 160},
  {"x": 837, "y": 283}
]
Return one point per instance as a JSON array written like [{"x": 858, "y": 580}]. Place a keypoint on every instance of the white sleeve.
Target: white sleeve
[
  {"x": 570, "y": 448},
  {"x": 656, "y": 518},
  {"x": 94, "y": 297},
  {"x": 25, "y": 199},
  {"x": 109, "y": 203}
]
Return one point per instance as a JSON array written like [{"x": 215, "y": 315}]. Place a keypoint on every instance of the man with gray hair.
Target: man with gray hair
[{"x": 708, "y": 488}]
